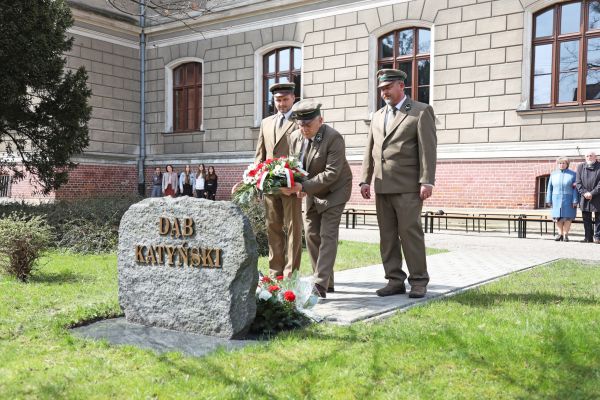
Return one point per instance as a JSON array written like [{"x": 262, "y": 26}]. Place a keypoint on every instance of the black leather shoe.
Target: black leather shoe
[
  {"x": 320, "y": 291},
  {"x": 391, "y": 290},
  {"x": 330, "y": 289},
  {"x": 565, "y": 238},
  {"x": 559, "y": 238},
  {"x": 416, "y": 292}
]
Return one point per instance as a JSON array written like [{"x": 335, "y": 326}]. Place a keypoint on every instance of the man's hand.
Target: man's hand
[
  {"x": 297, "y": 188},
  {"x": 426, "y": 192},
  {"x": 587, "y": 196},
  {"x": 365, "y": 191}
]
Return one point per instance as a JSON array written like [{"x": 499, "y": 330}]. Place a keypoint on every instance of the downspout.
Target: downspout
[{"x": 142, "y": 158}]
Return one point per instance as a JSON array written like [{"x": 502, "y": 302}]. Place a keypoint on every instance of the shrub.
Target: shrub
[
  {"x": 83, "y": 226},
  {"x": 22, "y": 241}
]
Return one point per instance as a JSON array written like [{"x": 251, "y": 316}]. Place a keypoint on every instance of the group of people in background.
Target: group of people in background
[
  {"x": 568, "y": 189},
  {"x": 201, "y": 184}
]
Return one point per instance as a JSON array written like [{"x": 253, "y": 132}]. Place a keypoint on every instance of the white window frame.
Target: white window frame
[
  {"x": 169, "y": 68},
  {"x": 374, "y": 53},
  {"x": 258, "y": 74}
]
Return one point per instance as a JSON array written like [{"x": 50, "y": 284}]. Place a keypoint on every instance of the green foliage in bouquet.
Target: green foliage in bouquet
[
  {"x": 273, "y": 316},
  {"x": 280, "y": 303}
]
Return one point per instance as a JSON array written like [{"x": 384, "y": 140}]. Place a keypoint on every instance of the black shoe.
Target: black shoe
[
  {"x": 585, "y": 241},
  {"x": 320, "y": 291},
  {"x": 559, "y": 238},
  {"x": 330, "y": 290},
  {"x": 390, "y": 290},
  {"x": 566, "y": 238}
]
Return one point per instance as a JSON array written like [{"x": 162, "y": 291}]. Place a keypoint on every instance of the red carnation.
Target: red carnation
[
  {"x": 273, "y": 288},
  {"x": 265, "y": 279},
  {"x": 289, "y": 296},
  {"x": 279, "y": 277}
]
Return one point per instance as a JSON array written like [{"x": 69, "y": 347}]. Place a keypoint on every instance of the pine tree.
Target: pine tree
[{"x": 43, "y": 108}]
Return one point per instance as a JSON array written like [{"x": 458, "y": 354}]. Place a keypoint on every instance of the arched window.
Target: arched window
[
  {"x": 280, "y": 65},
  {"x": 187, "y": 97},
  {"x": 566, "y": 54},
  {"x": 408, "y": 49}
]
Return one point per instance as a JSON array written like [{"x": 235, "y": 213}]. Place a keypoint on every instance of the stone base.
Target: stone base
[{"x": 120, "y": 332}]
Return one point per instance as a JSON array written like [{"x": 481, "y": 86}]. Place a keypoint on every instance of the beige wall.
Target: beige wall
[{"x": 478, "y": 82}]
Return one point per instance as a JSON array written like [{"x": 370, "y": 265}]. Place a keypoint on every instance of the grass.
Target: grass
[
  {"x": 350, "y": 255},
  {"x": 533, "y": 335}
]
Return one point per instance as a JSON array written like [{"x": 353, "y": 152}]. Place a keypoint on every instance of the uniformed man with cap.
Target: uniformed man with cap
[
  {"x": 328, "y": 187},
  {"x": 400, "y": 157},
  {"x": 282, "y": 212}
]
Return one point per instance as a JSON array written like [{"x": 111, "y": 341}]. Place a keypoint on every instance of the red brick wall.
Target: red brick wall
[{"x": 459, "y": 184}]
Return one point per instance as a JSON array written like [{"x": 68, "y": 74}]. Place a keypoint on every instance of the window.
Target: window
[
  {"x": 280, "y": 65},
  {"x": 541, "y": 184},
  {"x": 187, "y": 97},
  {"x": 408, "y": 50},
  {"x": 4, "y": 186},
  {"x": 566, "y": 55}
]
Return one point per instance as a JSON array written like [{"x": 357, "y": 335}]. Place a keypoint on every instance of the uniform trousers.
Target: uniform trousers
[
  {"x": 322, "y": 232},
  {"x": 400, "y": 231},
  {"x": 285, "y": 248}
]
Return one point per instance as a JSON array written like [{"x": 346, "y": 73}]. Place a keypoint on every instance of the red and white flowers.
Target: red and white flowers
[{"x": 268, "y": 177}]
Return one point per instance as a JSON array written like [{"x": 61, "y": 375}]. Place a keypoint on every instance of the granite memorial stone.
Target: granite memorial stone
[{"x": 189, "y": 265}]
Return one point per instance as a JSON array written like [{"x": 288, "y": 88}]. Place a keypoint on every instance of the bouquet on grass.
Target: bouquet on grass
[
  {"x": 268, "y": 177},
  {"x": 283, "y": 303}
]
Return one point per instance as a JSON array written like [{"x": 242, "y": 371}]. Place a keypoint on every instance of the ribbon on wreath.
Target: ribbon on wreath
[{"x": 289, "y": 178}]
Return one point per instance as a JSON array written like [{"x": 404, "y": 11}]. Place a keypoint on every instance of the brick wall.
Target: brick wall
[
  {"x": 89, "y": 180},
  {"x": 481, "y": 184}
]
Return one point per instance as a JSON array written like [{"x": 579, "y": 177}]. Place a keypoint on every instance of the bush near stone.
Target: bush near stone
[
  {"x": 82, "y": 226},
  {"x": 255, "y": 211},
  {"x": 23, "y": 239}
]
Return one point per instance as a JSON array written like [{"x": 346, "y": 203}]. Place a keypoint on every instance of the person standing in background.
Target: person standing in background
[
  {"x": 563, "y": 197},
  {"x": 187, "y": 182},
  {"x": 169, "y": 182},
  {"x": 156, "y": 183},
  {"x": 211, "y": 183},
  {"x": 200, "y": 182},
  {"x": 588, "y": 187}
]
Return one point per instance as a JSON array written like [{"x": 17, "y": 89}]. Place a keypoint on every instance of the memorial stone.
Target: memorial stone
[{"x": 189, "y": 265}]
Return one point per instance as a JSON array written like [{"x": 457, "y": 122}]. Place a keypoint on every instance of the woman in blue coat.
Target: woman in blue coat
[{"x": 563, "y": 197}]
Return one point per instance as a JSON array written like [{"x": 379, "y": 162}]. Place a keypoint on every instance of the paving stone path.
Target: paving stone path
[{"x": 471, "y": 260}]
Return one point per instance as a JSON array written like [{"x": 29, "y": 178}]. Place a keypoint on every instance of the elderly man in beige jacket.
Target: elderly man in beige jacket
[
  {"x": 401, "y": 157},
  {"x": 328, "y": 187}
]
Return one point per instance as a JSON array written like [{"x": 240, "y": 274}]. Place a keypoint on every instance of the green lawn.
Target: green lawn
[
  {"x": 534, "y": 335},
  {"x": 350, "y": 255}
]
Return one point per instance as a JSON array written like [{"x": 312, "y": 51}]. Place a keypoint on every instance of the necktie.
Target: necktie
[
  {"x": 305, "y": 154},
  {"x": 281, "y": 119},
  {"x": 389, "y": 118}
]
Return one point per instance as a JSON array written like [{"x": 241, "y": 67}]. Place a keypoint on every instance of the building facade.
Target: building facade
[{"x": 514, "y": 84}]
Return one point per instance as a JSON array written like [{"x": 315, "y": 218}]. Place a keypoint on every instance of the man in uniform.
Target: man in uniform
[
  {"x": 401, "y": 157},
  {"x": 328, "y": 187},
  {"x": 282, "y": 212}
]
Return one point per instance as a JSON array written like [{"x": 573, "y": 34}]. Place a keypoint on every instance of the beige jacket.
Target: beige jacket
[
  {"x": 404, "y": 158},
  {"x": 273, "y": 143},
  {"x": 329, "y": 180}
]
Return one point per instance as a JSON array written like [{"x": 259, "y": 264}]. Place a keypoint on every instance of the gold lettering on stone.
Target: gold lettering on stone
[
  {"x": 139, "y": 253},
  {"x": 188, "y": 227},
  {"x": 182, "y": 255},
  {"x": 151, "y": 257},
  {"x": 217, "y": 258},
  {"x": 206, "y": 258},
  {"x": 176, "y": 229},
  {"x": 195, "y": 256},
  {"x": 164, "y": 226},
  {"x": 170, "y": 253}
]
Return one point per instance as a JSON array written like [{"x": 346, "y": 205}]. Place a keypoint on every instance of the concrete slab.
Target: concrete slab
[{"x": 120, "y": 332}]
